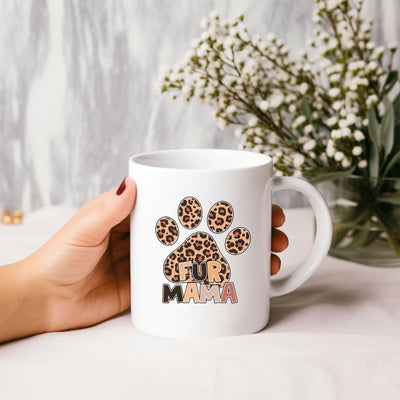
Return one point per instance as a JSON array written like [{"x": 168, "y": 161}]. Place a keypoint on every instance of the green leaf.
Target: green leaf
[
  {"x": 391, "y": 198},
  {"x": 396, "y": 108},
  {"x": 338, "y": 234},
  {"x": 373, "y": 126},
  {"x": 331, "y": 176},
  {"x": 305, "y": 110},
  {"x": 391, "y": 163},
  {"x": 373, "y": 162},
  {"x": 390, "y": 81},
  {"x": 362, "y": 237},
  {"x": 387, "y": 225},
  {"x": 387, "y": 127}
]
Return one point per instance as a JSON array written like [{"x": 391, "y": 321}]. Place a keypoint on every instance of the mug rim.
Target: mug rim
[{"x": 248, "y": 159}]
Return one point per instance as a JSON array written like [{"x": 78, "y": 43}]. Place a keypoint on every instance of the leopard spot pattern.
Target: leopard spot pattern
[
  {"x": 189, "y": 212},
  {"x": 220, "y": 217},
  {"x": 167, "y": 231},
  {"x": 237, "y": 241},
  {"x": 198, "y": 248}
]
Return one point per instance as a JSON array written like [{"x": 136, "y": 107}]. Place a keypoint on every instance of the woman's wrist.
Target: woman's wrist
[{"x": 24, "y": 301}]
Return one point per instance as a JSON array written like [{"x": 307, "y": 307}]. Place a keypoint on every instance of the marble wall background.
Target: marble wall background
[{"x": 77, "y": 86}]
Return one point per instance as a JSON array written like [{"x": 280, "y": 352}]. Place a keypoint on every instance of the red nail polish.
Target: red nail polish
[{"x": 121, "y": 188}]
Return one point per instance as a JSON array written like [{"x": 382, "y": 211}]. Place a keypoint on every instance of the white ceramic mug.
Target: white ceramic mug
[{"x": 200, "y": 242}]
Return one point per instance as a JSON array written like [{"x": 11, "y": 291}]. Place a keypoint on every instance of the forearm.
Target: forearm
[{"x": 23, "y": 304}]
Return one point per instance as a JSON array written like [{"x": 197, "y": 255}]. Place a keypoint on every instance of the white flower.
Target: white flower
[
  {"x": 332, "y": 44},
  {"x": 271, "y": 37},
  {"x": 257, "y": 140},
  {"x": 370, "y": 45},
  {"x": 331, "y": 121},
  {"x": 357, "y": 150},
  {"x": 253, "y": 121},
  {"x": 372, "y": 66},
  {"x": 334, "y": 78},
  {"x": 334, "y": 92},
  {"x": 393, "y": 46},
  {"x": 379, "y": 51},
  {"x": 336, "y": 134},
  {"x": 231, "y": 109},
  {"x": 250, "y": 67},
  {"x": 186, "y": 89},
  {"x": 358, "y": 135},
  {"x": 298, "y": 121},
  {"x": 298, "y": 160},
  {"x": 351, "y": 119},
  {"x": 297, "y": 174},
  {"x": 316, "y": 18},
  {"x": 337, "y": 105},
  {"x": 345, "y": 163},
  {"x": 309, "y": 145},
  {"x": 222, "y": 123},
  {"x": 355, "y": 65},
  {"x": 302, "y": 53},
  {"x": 345, "y": 132},
  {"x": 202, "y": 50},
  {"x": 332, "y": 4},
  {"x": 371, "y": 100},
  {"x": 330, "y": 148},
  {"x": 343, "y": 123},
  {"x": 339, "y": 156},
  {"x": 362, "y": 164},
  {"x": 264, "y": 105},
  {"x": 308, "y": 129},
  {"x": 228, "y": 42},
  {"x": 348, "y": 44},
  {"x": 303, "y": 88},
  {"x": 276, "y": 100}
]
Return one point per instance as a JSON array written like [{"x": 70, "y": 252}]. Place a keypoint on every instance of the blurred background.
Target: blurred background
[{"x": 77, "y": 86}]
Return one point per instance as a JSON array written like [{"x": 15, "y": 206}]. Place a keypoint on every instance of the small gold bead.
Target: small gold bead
[
  {"x": 18, "y": 214},
  {"x": 16, "y": 220},
  {"x": 6, "y": 219},
  {"x": 5, "y": 213}
]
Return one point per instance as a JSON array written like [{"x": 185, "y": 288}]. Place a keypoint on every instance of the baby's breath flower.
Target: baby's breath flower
[
  {"x": 264, "y": 105},
  {"x": 339, "y": 156},
  {"x": 362, "y": 164},
  {"x": 298, "y": 121},
  {"x": 332, "y": 121},
  {"x": 357, "y": 151},
  {"x": 309, "y": 113},
  {"x": 358, "y": 135},
  {"x": 310, "y": 145},
  {"x": 334, "y": 92},
  {"x": 346, "y": 163},
  {"x": 253, "y": 121}
]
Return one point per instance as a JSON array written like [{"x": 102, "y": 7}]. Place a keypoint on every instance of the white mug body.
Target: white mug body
[
  {"x": 239, "y": 304},
  {"x": 200, "y": 242}
]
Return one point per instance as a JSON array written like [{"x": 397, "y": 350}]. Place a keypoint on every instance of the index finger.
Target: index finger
[{"x": 278, "y": 216}]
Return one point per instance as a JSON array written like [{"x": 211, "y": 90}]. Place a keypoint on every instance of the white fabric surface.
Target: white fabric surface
[{"x": 336, "y": 337}]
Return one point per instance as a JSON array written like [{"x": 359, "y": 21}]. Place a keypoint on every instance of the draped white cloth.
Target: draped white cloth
[{"x": 336, "y": 337}]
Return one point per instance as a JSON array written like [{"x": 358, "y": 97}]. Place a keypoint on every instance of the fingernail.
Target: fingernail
[{"x": 121, "y": 188}]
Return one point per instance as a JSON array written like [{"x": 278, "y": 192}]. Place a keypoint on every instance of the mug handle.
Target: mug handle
[{"x": 322, "y": 239}]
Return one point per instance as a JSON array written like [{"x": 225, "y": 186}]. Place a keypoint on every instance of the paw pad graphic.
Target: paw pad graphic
[{"x": 198, "y": 258}]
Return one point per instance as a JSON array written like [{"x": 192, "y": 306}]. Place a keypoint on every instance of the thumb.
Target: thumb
[{"x": 93, "y": 222}]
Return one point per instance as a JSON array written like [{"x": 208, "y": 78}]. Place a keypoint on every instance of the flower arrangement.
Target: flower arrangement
[{"x": 322, "y": 115}]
